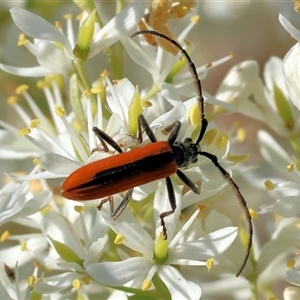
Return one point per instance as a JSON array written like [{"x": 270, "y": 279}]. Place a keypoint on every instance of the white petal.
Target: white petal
[
  {"x": 119, "y": 273},
  {"x": 179, "y": 287},
  {"x": 95, "y": 252},
  {"x": 136, "y": 237},
  {"x": 122, "y": 23},
  {"x": 58, "y": 164},
  {"x": 59, "y": 229},
  {"x": 289, "y": 27},
  {"x": 210, "y": 245},
  {"x": 292, "y": 292},
  {"x": 26, "y": 72},
  {"x": 51, "y": 57},
  {"x": 291, "y": 69},
  {"x": 162, "y": 204},
  {"x": 37, "y": 176},
  {"x": 38, "y": 28}
]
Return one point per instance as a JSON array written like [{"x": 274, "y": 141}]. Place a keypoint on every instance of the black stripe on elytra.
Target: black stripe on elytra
[{"x": 146, "y": 164}]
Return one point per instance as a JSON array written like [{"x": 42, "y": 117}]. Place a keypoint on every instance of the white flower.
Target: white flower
[
  {"x": 178, "y": 249},
  {"x": 54, "y": 50},
  {"x": 285, "y": 191}
]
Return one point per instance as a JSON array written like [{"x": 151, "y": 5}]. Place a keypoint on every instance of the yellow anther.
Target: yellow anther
[
  {"x": 34, "y": 123},
  {"x": 21, "y": 89},
  {"x": 119, "y": 239},
  {"x": 37, "y": 265},
  {"x": 146, "y": 285},
  {"x": 269, "y": 185},
  {"x": 209, "y": 65},
  {"x": 68, "y": 16},
  {"x": 41, "y": 84},
  {"x": 253, "y": 214},
  {"x": 79, "y": 17},
  {"x": 12, "y": 100},
  {"x": 23, "y": 246},
  {"x": 24, "y": 131},
  {"x": 195, "y": 19},
  {"x": 79, "y": 208},
  {"x": 290, "y": 263},
  {"x": 241, "y": 134},
  {"x": 210, "y": 136},
  {"x": 22, "y": 40},
  {"x": 31, "y": 280},
  {"x": 221, "y": 140},
  {"x": 60, "y": 111},
  {"x": 86, "y": 93},
  {"x": 210, "y": 263},
  {"x": 194, "y": 115},
  {"x": 146, "y": 103},
  {"x": 290, "y": 167},
  {"x": 96, "y": 90},
  {"x": 4, "y": 236},
  {"x": 36, "y": 161},
  {"x": 76, "y": 284},
  {"x": 232, "y": 54},
  {"x": 237, "y": 158},
  {"x": 202, "y": 207},
  {"x": 57, "y": 24},
  {"x": 104, "y": 73},
  {"x": 77, "y": 126}
]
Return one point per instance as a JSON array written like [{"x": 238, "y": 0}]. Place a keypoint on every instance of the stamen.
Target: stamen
[
  {"x": 269, "y": 185},
  {"x": 195, "y": 19},
  {"x": 146, "y": 284},
  {"x": 31, "y": 281},
  {"x": 21, "y": 89},
  {"x": 76, "y": 284},
  {"x": 210, "y": 263},
  {"x": 24, "y": 131},
  {"x": 22, "y": 40},
  {"x": 290, "y": 263},
  {"x": 23, "y": 246}
]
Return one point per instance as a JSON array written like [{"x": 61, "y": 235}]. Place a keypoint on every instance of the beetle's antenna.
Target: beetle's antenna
[
  {"x": 210, "y": 156},
  {"x": 193, "y": 70}
]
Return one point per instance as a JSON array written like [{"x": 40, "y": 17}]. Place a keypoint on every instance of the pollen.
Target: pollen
[
  {"x": 120, "y": 239},
  {"x": 209, "y": 65},
  {"x": 195, "y": 19},
  {"x": 146, "y": 284},
  {"x": 76, "y": 284},
  {"x": 22, "y": 40},
  {"x": 79, "y": 208},
  {"x": 31, "y": 280},
  {"x": 290, "y": 263},
  {"x": 24, "y": 131},
  {"x": 290, "y": 167},
  {"x": 269, "y": 185},
  {"x": 232, "y": 54},
  {"x": 23, "y": 246},
  {"x": 12, "y": 100},
  {"x": 34, "y": 123},
  {"x": 4, "y": 236},
  {"x": 210, "y": 263},
  {"x": 221, "y": 140},
  {"x": 253, "y": 214},
  {"x": 21, "y": 89},
  {"x": 60, "y": 111}
]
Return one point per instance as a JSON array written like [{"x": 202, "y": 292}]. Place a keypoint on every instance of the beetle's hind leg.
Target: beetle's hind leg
[{"x": 115, "y": 213}]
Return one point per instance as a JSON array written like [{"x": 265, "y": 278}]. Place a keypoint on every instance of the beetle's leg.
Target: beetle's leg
[
  {"x": 172, "y": 201},
  {"x": 104, "y": 137},
  {"x": 174, "y": 132},
  {"x": 115, "y": 213},
  {"x": 188, "y": 182}
]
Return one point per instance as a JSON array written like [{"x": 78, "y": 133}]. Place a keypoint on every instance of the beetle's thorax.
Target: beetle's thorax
[{"x": 185, "y": 152}]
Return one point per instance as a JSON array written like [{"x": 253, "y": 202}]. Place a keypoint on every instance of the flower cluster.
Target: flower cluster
[{"x": 55, "y": 248}]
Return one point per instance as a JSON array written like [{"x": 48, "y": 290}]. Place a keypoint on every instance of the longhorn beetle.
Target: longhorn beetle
[{"x": 157, "y": 160}]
